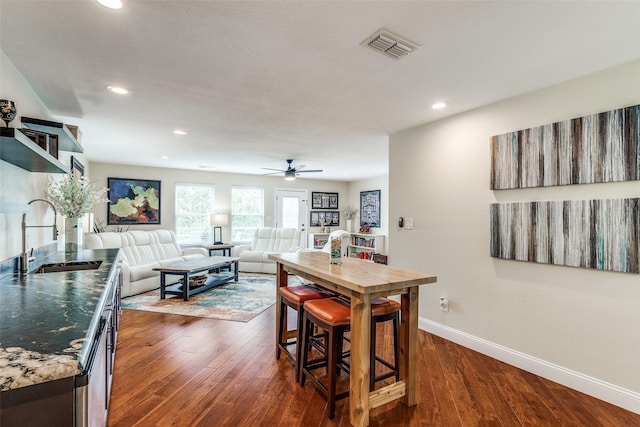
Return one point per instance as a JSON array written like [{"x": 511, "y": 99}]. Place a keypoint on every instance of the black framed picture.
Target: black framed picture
[
  {"x": 133, "y": 201},
  {"x": 321, "y": 200},
  {"x": 324, "y": 219},
  {"x": 76, "y": 168},
  {"x": 370, "y": 208}
]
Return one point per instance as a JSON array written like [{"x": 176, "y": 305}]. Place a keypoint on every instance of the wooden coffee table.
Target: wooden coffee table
[{"x": 213, "y": 265}]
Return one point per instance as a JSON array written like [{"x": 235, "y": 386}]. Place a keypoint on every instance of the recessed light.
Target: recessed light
[
  {"x": 164, "y": 157},
  {"x": 111, "y": 4},
  {"x": 180, "y": 132},
  {"x": 117, "y": 89},
  {"x": 438, "y": 105}
]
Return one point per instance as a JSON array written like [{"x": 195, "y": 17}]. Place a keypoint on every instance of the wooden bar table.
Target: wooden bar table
[{"x": 363, "y": 281}]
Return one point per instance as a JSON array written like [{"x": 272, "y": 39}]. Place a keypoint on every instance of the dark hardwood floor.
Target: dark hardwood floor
[{"x": 187, "y": 371}]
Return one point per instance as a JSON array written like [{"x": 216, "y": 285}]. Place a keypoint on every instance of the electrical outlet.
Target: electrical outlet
[{"x": 444, "y": 304}]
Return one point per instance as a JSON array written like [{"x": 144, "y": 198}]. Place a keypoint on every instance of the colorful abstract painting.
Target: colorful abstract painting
[
  {"x": 599, "y": 234},
  {"x": 597, "y": 148},
  {"x": 133, "y": 201}
]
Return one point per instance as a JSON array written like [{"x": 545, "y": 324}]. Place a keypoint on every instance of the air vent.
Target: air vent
[{"x": 389, "y": 44}]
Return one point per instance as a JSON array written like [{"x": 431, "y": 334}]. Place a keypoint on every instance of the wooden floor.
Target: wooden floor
[{"x": 187, "y": 371}]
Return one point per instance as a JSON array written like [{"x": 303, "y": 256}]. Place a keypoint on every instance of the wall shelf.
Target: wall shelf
[
  {"x": 66, "y": 140},
  {"x": 16, "y": 148}
]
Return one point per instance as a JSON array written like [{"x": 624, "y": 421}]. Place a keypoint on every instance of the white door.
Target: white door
[{"x": 291, "y": 211}]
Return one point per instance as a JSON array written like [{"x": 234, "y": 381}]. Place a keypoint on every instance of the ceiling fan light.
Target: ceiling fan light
[
  {"x": 289, "y": 175},
  {"x": 119, "y": 90},
  {"x": 111, "y": 4}
]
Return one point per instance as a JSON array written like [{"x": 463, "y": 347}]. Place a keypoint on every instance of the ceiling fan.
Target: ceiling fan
[{"x": 291, "y": 172}]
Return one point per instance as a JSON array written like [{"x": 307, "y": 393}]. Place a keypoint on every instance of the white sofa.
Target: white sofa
[
  {"x": 254, "y": 258},
  {"x": 141, "y": 251}
]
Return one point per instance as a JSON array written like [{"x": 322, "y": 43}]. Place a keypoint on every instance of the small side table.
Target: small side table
[{"x": 225, "y": 248}]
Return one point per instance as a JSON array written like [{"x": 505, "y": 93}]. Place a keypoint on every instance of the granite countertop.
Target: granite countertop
[{"x": 47, "y": 320}]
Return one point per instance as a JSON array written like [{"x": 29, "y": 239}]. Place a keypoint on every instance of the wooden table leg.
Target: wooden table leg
[
  {"x": 360, "y": 359},
  {"x": 282, "y": 279},
  {"x": 409, "y": 346}
]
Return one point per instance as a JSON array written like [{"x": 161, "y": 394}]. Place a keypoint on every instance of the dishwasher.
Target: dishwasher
[{"x": 93, "y": 386}]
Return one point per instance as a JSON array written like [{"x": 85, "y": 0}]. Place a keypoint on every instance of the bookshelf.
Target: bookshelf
[
  {"x": 318, "y": 240},
  {"x": 367, "y": 244}
]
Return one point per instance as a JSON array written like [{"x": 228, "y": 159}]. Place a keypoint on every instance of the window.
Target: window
[
  {"x": 194, "y": 204},
  {"x": 247, "y": 212}
]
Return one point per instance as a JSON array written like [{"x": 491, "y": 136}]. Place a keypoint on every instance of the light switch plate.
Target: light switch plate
[{"x": 408, "y": 223}]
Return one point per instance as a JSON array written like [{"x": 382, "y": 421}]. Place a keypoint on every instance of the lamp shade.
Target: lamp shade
[{"x": 219, "y": 219}]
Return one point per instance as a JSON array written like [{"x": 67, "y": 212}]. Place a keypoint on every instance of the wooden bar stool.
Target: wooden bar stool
[
  {"x": 334, "y": 317},
  {"x": 385, "y": 310},
  {"x": 295, "y": 297},
  {"x": 382, "y": 310}
]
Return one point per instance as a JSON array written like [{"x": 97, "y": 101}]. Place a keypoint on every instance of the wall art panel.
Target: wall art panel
[
  {"x": 602, "y": 147},
  {"x": 599, "y": 234}
]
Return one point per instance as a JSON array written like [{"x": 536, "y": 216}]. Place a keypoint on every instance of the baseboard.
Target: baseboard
[{"x": 602, "y": 390}]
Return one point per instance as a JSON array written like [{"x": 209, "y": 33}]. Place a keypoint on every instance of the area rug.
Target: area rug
[{"x": 239, "y": 301}]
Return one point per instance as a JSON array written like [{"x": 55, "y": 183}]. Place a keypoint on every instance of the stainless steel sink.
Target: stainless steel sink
[{"x": 69, "y": 266}]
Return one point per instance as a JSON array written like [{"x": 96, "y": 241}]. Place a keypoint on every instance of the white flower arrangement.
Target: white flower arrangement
[
  {"x": 73, "y": 197},
  {"x": 349, "y": 212}
]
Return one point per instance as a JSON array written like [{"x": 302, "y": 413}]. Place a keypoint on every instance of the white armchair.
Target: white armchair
[
  {"x": 254, "y": 258},
  {"x": 337, "y": 234}
]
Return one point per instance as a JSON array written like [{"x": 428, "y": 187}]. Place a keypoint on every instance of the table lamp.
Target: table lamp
[{"x": 217, "y": 220}]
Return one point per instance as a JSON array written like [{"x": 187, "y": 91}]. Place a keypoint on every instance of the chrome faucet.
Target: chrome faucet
[{"x": 24, "y": 259}]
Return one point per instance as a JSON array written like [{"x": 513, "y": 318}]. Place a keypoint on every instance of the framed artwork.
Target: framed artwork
[
  {"x": 133, "y": 201},
  {"x": 603, "y": 147},
  {"x": 324, "y": 218},
  {"x": 600, "y": 234},
  {"x": 370, "y": 208},
  {"x": 76, "y": 169},
  {"x": 321, "y": 200}
]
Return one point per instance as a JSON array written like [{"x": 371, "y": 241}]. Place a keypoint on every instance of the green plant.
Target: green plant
[
  {"x": 73, "y": 197},
  {"x": 100, "y": 227}
]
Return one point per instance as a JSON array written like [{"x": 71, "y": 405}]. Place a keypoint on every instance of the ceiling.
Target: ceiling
[{"x": 255, "y": 83}]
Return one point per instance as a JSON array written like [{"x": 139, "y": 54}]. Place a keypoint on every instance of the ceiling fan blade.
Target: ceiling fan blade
[
  {"x": 297, "y": 168},
  {"x": 271, "y": 169},
  {"x": 273, "y": 173},
  {"x": 310, "y": 170}
]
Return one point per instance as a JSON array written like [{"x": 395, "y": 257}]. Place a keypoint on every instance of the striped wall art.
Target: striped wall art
[
  {"x": 599, "y": 234},
  {"x": 601, "y": 147}
]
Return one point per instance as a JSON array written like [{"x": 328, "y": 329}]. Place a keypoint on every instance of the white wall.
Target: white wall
[
  {"x": 585, "y": 321},
  {"x": 223, "y": 183}
]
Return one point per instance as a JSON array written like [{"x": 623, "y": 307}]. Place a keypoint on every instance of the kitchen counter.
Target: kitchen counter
[{"x": 48, "y": 320}]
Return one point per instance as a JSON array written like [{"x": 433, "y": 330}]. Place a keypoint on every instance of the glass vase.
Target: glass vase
[
  {"x": 73, "y": 237},
  {"x": 335, "y": 256}
]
